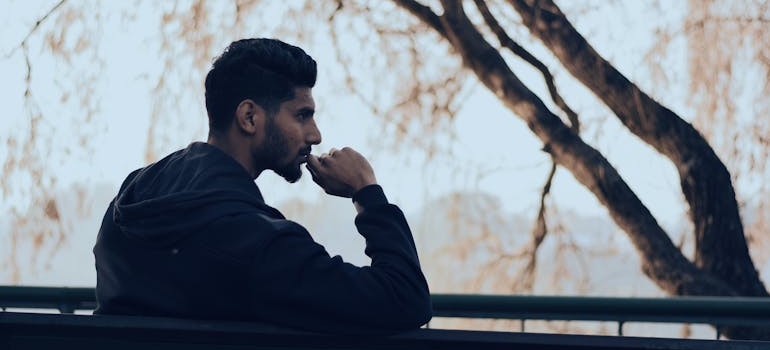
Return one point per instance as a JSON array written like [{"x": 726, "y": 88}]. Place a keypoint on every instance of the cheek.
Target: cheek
[{"x": 294, "y": 136}]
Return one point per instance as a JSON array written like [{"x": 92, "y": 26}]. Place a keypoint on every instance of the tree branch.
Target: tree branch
[
  {"x": 424, "y": 13},
  {"x": 721, "y": 247},
  {"x": 663, "y": 261},
  {"x": 507, "y": 42},
  {"x": 540, "y": 230},
  {"x": 35, "y": 28},
  {"x": 337, "y": 10}
]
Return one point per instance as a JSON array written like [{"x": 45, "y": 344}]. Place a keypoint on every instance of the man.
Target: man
[{"x": 191, "y": 236}]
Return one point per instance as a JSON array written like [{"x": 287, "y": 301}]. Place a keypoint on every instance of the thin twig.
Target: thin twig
[
  {"x": 35, "y": 28},
  {"x": 424, "y": 13},
  {"x": 337, "y": 10},
  {"x": 507, "y": 42},
  {"x": 540, "y": 230}
]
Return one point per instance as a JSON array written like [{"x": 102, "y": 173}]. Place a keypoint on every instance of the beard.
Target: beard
[
  {"x": 290, "y": 172},
  {"x": 275, "y": 150}
]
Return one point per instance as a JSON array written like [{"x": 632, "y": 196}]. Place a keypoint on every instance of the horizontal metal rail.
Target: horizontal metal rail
[
  {"x": 716, "y": 311},
  {"x": 64, "y": 299},
  {"x": 21, "y": 331},
  {"x": 707, "y": 310}
]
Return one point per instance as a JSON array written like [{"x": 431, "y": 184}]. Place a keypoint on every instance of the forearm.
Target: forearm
[
  {"x": 307, "y": 284},
  {"x": 390, "y": 245}
]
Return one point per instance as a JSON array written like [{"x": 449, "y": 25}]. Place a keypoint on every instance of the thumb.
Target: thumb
[
  {"x": 312, "y": 166},
  {"x": 313, "y": 163}
]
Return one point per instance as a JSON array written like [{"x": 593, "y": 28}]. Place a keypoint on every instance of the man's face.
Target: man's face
[{"x": 289, "y": 135}]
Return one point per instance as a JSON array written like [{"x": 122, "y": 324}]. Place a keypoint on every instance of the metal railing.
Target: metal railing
[
  {"x": 21, "y": 331},
  {"x": 716, "y": 311},
  {"x": 65, "y": 299}
]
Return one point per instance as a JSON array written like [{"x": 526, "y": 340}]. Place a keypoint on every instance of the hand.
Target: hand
[{"x": 341, "y": 172}]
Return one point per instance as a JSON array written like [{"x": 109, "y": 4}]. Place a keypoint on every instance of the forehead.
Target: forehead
[{"x": 303, "y": 98}]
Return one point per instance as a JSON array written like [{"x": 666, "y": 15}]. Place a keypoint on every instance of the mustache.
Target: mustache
[{"x": 305, "y": 151}]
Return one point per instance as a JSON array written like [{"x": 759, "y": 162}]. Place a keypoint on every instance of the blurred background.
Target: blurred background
[{"x": 92, "y": 90}]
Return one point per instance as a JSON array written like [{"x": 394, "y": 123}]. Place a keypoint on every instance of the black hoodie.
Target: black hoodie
[{"x": 190, "y": 236}]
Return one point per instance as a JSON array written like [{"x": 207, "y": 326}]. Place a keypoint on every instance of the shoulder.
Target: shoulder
[{"x": 249, "y": 233}]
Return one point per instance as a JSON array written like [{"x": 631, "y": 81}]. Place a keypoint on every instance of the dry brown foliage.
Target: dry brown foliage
[{"x": 420, "y": 85}]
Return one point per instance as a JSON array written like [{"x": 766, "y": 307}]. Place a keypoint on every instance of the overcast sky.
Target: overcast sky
[{"x": 495, "y": 153}]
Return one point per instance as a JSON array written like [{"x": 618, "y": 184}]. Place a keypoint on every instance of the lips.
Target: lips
[{"x": 303, "y": 154}]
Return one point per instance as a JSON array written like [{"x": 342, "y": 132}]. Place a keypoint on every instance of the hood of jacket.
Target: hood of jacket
[{"x": 184, "y": 192}]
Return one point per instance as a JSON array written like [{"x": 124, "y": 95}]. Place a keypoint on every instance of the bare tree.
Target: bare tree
[
  {"x": 727, "y": 51},
  {"x": 722, "y": 264},
  {"x": 443, "y": 47}
]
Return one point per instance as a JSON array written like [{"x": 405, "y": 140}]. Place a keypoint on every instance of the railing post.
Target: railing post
[
  {"x": 66, "y": 308},
  {"x": 522, "y": 324},
  {"x": 620, "y": 328}
]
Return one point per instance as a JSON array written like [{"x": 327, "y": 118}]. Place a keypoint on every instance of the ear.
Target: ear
[{"x": 249, "y": 116}]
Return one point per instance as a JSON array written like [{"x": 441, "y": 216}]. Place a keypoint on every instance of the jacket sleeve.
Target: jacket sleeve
[{"x": 299, "y": 285}]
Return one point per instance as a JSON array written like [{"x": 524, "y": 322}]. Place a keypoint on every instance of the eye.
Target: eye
[{"x": 305, "y": 115}]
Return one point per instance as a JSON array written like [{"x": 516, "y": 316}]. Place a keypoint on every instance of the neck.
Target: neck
[{"x": 237, "y": 150}]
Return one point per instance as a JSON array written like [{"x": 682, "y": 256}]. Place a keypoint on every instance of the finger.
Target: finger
[
  {"x": 326, "y": 159},
  {"x": 313, "y": 163},
  {"x": 310, "y": 168},
  {"x": 331, "y": 151},
  {"x": 312, "y": 172},
  {"x": 317, "y": 167},
  {"x": 323, "y": 157}
]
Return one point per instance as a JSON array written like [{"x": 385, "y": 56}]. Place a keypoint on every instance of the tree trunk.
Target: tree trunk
[
  {"x": 720, "y": 244},
  {"x": 723, "y": 266},
  {"x": 721, "y": 247}
]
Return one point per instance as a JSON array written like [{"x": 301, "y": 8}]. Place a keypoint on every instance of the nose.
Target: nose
[{"x": 313, "y": 135}]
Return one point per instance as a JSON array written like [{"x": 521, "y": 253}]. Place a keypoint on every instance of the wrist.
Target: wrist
[
  {"x": 369, "y": 195},
  {"x": 365, "y": 181}
]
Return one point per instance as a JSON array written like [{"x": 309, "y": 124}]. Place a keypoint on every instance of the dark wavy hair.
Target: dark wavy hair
[{"x": 264, "y": 70}]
